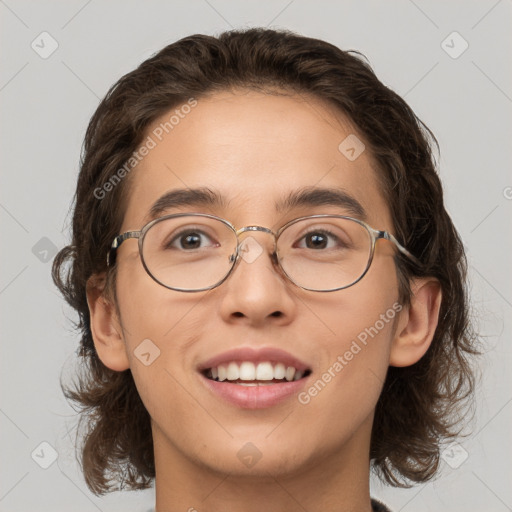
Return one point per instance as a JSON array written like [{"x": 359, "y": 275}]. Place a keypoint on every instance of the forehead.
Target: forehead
[{"x": 255, "y": 150}]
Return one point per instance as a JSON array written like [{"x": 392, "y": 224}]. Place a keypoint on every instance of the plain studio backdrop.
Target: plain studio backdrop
[{"x": 449, "y": 60}]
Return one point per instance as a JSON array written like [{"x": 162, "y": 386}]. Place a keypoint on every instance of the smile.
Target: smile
[{"x": 250, "y": 378}]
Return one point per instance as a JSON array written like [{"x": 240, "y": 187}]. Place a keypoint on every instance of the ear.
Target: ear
[
  {"x": 105, "y": 326},
  {"x": 417, "y": 323}
]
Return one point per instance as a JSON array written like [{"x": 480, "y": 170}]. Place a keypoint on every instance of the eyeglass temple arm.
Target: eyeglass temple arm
[
  {"x": 400, "y": 247},
  {"x": 118, "y": 240}
]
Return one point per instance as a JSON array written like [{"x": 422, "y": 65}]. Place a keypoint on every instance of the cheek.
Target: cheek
[
  {"x": 355, "y": 352},
  {"x": 160, "y": 328},
  {"x": 341, "y": 398},
  {"x": 148, "y": 310}
]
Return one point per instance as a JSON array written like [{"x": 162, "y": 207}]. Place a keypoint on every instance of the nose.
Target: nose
[{"x": 257, "y": 291}]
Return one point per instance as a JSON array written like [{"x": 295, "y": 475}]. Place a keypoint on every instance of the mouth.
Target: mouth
[
  {"x": 254, "y": 379},
  {"x": 247, "y": 373}
]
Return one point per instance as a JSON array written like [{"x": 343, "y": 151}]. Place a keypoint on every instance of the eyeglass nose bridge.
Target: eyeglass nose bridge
[{"x": 257, "y": 228}]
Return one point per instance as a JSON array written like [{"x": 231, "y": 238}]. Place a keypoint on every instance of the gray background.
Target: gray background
[{"x": 45, "y": 106}]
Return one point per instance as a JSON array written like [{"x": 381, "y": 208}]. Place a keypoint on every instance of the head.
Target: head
[{"x": 259, "y": 117}]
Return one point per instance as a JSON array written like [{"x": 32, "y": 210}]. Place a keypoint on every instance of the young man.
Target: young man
[{"x": 271, "y": 292}]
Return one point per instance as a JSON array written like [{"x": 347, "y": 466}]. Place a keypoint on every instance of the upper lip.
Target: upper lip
[{"x": 270, "y": 354}]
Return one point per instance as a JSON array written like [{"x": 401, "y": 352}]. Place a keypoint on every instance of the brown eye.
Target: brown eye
[
  {"x": 190, "y": 240},
  {"x": 321, "y": 239}
]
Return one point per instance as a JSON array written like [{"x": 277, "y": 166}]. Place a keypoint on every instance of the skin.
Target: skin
[{"x": 255, "y": 148}]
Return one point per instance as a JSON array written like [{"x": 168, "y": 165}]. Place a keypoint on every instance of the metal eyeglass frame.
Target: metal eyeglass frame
[{"x": 375, "y": 235}]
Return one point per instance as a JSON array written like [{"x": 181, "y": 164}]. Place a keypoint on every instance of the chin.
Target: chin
[{"x": 256, "y": 456}]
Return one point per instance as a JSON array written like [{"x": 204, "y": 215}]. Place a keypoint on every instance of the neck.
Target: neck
[{"x": 332, "y": 481}]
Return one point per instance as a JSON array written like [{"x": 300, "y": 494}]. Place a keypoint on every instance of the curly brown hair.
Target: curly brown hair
[{"x": 421, "y": 405}]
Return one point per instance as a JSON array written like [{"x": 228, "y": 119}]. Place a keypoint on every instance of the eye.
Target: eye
[
  {"x": 321, "y": 239},
  {"x": 189, "y": 239}
]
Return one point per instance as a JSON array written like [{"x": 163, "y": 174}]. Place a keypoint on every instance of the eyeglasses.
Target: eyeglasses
[{"x": 192, "y": 252}]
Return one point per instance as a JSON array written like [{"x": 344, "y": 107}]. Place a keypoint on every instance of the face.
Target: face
[{"x": 255, "y": 149}]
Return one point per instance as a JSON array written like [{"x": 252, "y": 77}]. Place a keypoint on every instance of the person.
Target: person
[{"x": 272, "y": 297}]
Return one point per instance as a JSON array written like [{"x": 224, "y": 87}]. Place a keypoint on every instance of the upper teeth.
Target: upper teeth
[{"x": 249, "y": 371}]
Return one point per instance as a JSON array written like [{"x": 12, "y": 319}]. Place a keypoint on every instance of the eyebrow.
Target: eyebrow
[{"x": 304, "y": 197}]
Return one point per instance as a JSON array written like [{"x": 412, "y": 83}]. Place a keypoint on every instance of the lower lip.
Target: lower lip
[{"x": 254, "y": 397}]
